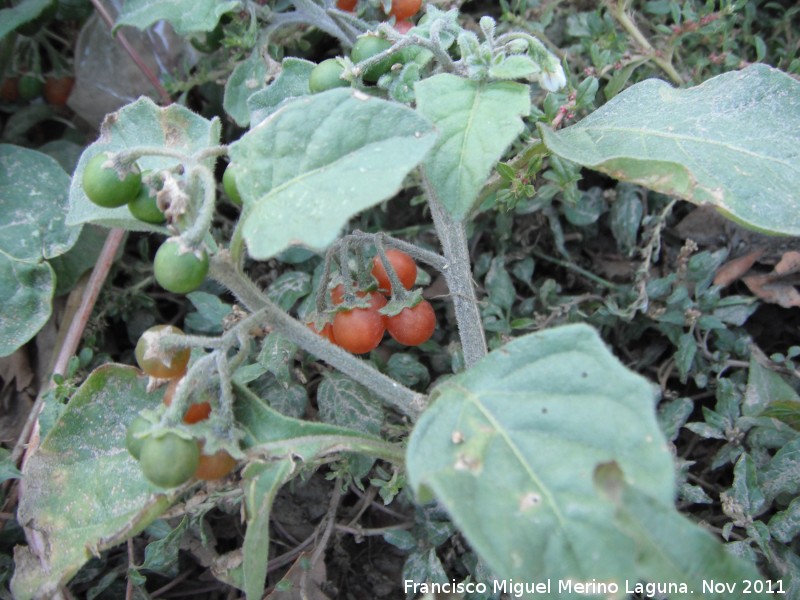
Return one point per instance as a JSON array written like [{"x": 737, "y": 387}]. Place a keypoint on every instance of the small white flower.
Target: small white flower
[{"x": 552, "y": 78}]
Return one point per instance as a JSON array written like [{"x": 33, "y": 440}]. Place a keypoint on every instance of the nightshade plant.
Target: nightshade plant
[{"x": 546, "y": 452}]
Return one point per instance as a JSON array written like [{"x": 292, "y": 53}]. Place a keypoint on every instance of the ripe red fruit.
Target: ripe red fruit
[
  {"x": 57, "y": 90},
  {"x": 214, "y": 466},
  {"x": 377, "y": 301},
  {"x": 412, "y": 326},
  {"x": 199, "y": 411},
  {"x": 404, "y": 266},
  {"x": 403, "y": 26},
  {"x": 358, "y": 330},
  {"x": 403, "y": 9},
  {"x": 9, "y": 90},
  {"x": 327, "y": 331},
  {"x": 157, "y": 363}
]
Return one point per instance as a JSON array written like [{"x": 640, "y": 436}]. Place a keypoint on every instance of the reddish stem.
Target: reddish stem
[{"x": 123, "y": 41}]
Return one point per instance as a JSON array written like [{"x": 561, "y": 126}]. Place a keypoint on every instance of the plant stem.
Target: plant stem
[
  {"x": 126, "y": 45},
  {"x": 407, "y": 401},
  {"x": 618, "y": 10},
  {"x": 458, "y": 274}
]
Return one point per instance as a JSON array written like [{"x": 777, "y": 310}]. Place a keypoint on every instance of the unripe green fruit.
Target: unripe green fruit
[
  {"x": 145, "y": 207},
  {"x": 30, "y": 87},
  {"x": 368, "y": 46},
  {"x": 132, "y": 443},
  {"x": 177, "y": 271},
  {"x": 103, "y": 186},
  {"x": 229, "y": 185},
  {"x": 326, "y": 76},
  {"x": 169, "y": 460}
]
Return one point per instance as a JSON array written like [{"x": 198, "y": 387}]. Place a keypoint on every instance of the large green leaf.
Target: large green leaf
[
  {"x": 319, "y": 160},
  {"x": 510, "y": 447},
  {"x": 672, "y": 549},
  {"x": 186, "y": 16},
  {"x": 141, "y": 124},
  {"x": 290, "y": 83},
  {"x": 83, "y": 490},
  {"x": 247, "y": 78},
  {"x": 730, "y": 142},
  {"x": 477, "y": 121},
  {"x": 33, "y": 202}
]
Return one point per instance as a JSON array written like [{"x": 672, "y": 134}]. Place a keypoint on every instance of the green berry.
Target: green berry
[{"x": 103, "y": 186}]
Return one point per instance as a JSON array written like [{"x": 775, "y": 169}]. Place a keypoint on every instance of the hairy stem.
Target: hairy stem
[
  {"x": 622, "y": 17},
  {"x": 458, "y": 273},
  {"x": 407, "y": 401}
]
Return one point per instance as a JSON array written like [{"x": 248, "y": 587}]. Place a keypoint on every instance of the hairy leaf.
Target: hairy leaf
[
  {"x": 138, "y": 124},
  {"x": 509, "y": 448},
  {"x": 33, "y": 201},
  {"x": 730, "y": 142},
  {"x": 478, "y": 122},
  {"x": 319, "y": 160},
  {"x": 83, "y": 491},
  {"x": 186, "y": 16}
]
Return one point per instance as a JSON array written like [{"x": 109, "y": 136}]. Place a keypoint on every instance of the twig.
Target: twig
[
  {"x": 74, "y": 333},
  {"x": 333, "y": 507},
  {"x": 618, "y": 10}
]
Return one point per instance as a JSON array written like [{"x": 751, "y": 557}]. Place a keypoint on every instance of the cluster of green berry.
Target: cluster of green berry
[
  {"x": 170, "y": 460},
  {"x": 177, "y": 268}
]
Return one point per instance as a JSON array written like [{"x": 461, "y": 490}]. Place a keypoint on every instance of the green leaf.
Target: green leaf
[
  {"x": 83, "y": 491},
  {"x": 620, "y": 78},
  {"x": 277, "y": 356},
  {"x": 587, "y": 209},
  {"x": 290, "y": 83},
  {"x": 70, "y": 266},
  {"x": 509, "y": 448},
  {"x": 673, "y": 414},
  {"x": 626, "y": 216},
  {"x": 684, "y": 355},
  {"x": 787, "y": 411},
  {"x": 785, "y": 525},
  {"x": 782, "y": 474},
  {"x": 247, "y": 78},
  {"x": 33, "y": 201},
  {"x": 276, "y": 435},
  {"x": 730, "y": 142},
  {"x": 26, "y": 293},
  {"x": 406, "y": 369},
  {"x": 161, "y": 555},
  {"x": 25, "y": 11},
  {"x": 744, "y": 498},
  {"x": 765, "y": 388},
  {"x": 32, "y": 204},
  {"x": 345, "y": 402},
  {"x": 141, "y": 123},
  {"x": 672, "y": 549},
  {"x": 186, "y": 16},
  {"x": 289, "y": 288},
  {"x": 210, "y": 313},
  {"x": 514, "y": 67},
  {"x": 8, "y": 470},
  {"x": 477, "y": 123},
  {"x": 319, "y": 160},
  {"x": 499, "y": 285},
  {"x": 261, "y": 484}
]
